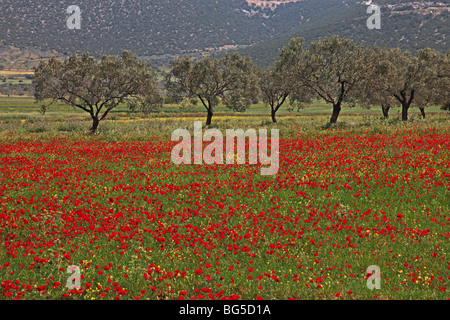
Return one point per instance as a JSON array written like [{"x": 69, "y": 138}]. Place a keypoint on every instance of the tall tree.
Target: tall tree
[
  {"x": 418, "y": 79},
  {"x": 332, "y": 69},
  {"x": 372, "y": 91},
  {"x": 437, "y": 90},
  {"x": 231, "y": 78},
  {"x": 278, "y": 83},
  {"x": 274, "y": 89},
  {"x": 435, "y": 67},
  {"x": 97, "y": 87}
]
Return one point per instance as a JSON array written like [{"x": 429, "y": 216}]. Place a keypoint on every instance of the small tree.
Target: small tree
[
  {"x": 274, "y": 89},
  {"x": 435, "y": 69},
  {"x": 278, "y": 83},
  {"x": 372, "y": 91},
  {"x": 97, "y": 87},
  {"x": 442, "y": 84},
  {"x": 410, "y": 78},
  {"x": 332, "y": 69},
  {"x": 231, "y": 78}
]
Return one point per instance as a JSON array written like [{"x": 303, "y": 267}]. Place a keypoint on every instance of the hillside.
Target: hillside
[
  {"x": 146, "y": 27},
  {"x": 160, "y": 31},
  {"x": 410, "y": 26}
]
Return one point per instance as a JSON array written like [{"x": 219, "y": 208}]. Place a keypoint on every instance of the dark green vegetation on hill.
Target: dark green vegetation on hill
[
  {"x": 145, "y": 27},
  {"x": 160, "y": 30},
  {"x": 406, "y": 29}
]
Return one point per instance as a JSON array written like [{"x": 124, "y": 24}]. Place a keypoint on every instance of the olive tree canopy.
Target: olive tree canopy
[
  {"x": 97, "y": 87},
  {"x": 231, "y": 78}
]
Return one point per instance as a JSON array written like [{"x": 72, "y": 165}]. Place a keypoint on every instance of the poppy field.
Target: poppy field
[{"x": 140, "y": 227}]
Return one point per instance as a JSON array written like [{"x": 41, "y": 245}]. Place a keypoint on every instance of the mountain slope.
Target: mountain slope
[
  {"x": 401, "y": 26},
  {"x": 164, "y": 29},
  {"x": 108, "y": 26},
  {"x": 147, "y": 27}
]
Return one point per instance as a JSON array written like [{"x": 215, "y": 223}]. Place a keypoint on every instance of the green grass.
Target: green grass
[
  {"x": 22, "y": 116},
  {"x": 27, "y": 107}
]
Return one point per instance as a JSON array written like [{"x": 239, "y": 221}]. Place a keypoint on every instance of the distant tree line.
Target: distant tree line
[{"x": 335, "y": 70}]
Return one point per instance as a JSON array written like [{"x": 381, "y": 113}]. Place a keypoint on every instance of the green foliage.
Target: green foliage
[
  {"x": 97, "y": 87},
  {"x": 331, "y": 69},
  {"x": 230, "y": 78},
  {"x": 400, "y": 77}
]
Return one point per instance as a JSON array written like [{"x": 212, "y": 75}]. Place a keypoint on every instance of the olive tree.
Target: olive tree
[
  {"x": 274, "y": 89},
  {"x": 97, "y": 87},
  {"x": 372, "y": 91},
  {"x": 332, "y": 69},
  {"x": 278, "y": 83},
  {"x": 231, "y": 78},
  {"x": 420, "y": 79}
]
